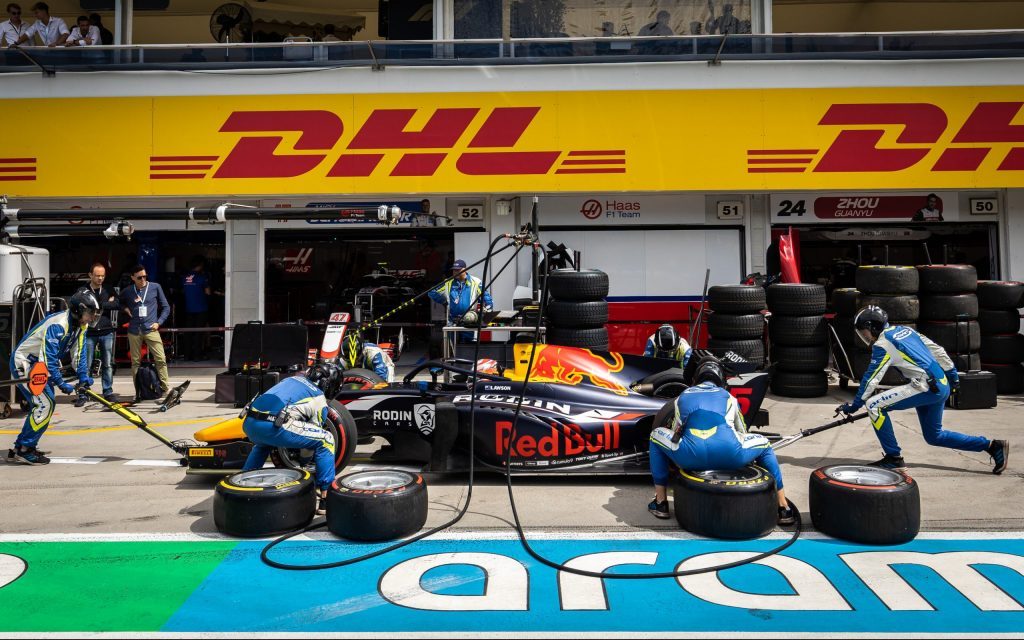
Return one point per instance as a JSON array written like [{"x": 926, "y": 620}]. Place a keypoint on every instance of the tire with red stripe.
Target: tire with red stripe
[
  {"x": 339, "y": 424},
  {"x": 865, "y": 504},
  {"x": 377, "y": 505}
]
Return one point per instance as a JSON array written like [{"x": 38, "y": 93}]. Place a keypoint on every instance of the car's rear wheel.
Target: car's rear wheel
[{"x": 342, "y": 427}]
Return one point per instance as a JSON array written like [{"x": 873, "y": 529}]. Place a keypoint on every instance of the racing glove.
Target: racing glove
[
  {"x": 847, "y": 408},
  {"x": 67, "y": 388},
  {"x": 85, "y": 382}
]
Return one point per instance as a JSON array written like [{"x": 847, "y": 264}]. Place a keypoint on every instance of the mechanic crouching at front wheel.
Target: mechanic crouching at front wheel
[
  {"x": 291, "y": 414},
  {"x": 708, "y": 433}
]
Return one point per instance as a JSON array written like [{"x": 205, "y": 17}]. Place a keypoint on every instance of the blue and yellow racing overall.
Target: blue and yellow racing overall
[
  {"x": 681, "y": 353},
  {"x": 48, "y": 342},
  {"x": 460, "y": 296},
  {"x": 291, "y": 414},
  {"x": 930, "y": 372},
  {"x": 370, "y": 356},
  {"x": 714, "y": 437}
]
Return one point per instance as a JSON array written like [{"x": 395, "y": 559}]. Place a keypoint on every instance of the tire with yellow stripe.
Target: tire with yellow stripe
[
  {"x": 264, "y": 502},
  {"x": 733, "y": 505},
  {"x": 865, "y": 504}
]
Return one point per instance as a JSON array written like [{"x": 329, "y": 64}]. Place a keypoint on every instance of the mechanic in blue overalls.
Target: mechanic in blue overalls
[
  {"x": 58, "y": 335},
  {"x": 932, "y": 377},
  {"x": 459, "y": 293},
  {"x": 367, "y": 355},
  {"x": 708, "y": 433},
  {"x": 291, "y": 414},
  {"x": 666, "y": 343}
]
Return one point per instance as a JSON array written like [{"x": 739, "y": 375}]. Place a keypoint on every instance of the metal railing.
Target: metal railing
[{"x": 378, "y": 54}]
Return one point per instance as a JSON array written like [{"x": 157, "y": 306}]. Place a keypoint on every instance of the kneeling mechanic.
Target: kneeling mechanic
[
  {"x": 712, "y": 437},
  {"x": 291, "y": 414}
]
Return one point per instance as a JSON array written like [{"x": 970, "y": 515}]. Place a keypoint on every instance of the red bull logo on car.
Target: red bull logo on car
[{"x": 569, "y": 365}]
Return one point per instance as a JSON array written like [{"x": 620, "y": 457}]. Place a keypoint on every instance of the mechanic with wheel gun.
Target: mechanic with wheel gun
[
  {"x": 58, "y": 335},
  {"x": 932, "y": 377},
  {"x": 708, "y": 433},
  {"x": 459, "y": 293},
  {"x": 666, "y": 343},
  {"x": 369, "y": 356},
  {"x": 291, "y": 414}
]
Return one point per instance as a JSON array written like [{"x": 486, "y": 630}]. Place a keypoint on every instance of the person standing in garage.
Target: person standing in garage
[
  {"x": 459, "y": 293},
  {"x": 666, "y": 343},
  {"x": 932, "y": 377}
]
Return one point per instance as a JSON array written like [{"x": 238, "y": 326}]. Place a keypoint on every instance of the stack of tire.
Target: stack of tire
[
  {"x": 576, "y": 311},
  {"x": 798, "y": 333},
  {"x": 736, "y": 323},
  {"x": 949, "y": 311},
  {"x": 1002, "y": 345},
  {"x": 893, "y": 288},
  {"x": 845, "y": 303}
]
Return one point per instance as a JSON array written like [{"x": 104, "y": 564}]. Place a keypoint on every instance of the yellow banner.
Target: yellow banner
[{"x": 702, "y": 140}]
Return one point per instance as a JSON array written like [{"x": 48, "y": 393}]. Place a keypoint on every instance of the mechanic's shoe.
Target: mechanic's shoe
[
  {"x": 10, "y": 456},
  {"x": 80, "y": 401},
  {"x": 1000, "y": 452},
  {"x": 659, "y": 509},
  {"x": 786, "y": 516},
  {"x": 30, "y": 456},
  {"x": 111, "y": 397},
  {"x": 894, "y": 463}
]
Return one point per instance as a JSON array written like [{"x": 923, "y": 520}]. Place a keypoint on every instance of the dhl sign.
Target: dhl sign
[{"x": 578, "y": 141}]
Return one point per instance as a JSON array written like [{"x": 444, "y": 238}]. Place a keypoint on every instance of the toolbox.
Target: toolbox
[
  {"x": 977, "y": 391},
  {"x": 253, "y": 382}
]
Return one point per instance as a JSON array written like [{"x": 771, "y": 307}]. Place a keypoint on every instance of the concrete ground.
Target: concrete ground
[{"x": 109, "y": 477}]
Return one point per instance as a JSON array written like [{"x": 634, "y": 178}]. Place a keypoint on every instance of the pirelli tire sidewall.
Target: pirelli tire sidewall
[
  {"x": 732, "y": 505},
  {"x": 886, "y": 513},
  {"x": 247, "y": 509},
  {"x": 373, "y": 514}
]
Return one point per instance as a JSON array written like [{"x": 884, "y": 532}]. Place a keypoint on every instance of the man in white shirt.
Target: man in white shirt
[
  {"x": 12, "y": 28},
  {"x": 52, "y": 31},
  {"x": 84, "y": 35}
]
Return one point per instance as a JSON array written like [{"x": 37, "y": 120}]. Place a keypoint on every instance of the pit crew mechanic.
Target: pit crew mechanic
[
  {"x": 460, "y": 292},
  {"x": 367, "y": 355},
  {"x": 666, "y": 343},
  {"x": 712, "y": 437},
  {"x": 291, "y": 414},
  {"x": 932, "y": 377},
  {"x": 57, "y": 335}
]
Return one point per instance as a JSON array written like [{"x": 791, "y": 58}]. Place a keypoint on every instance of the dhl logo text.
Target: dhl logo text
[
  {"x": 484, "y": 149},
  {"x": 921, "y": 125}
]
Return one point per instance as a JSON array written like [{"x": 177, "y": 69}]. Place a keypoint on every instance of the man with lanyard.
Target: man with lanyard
[
  {"x": 58, "y": 335},
  {"x": 102, "y": 333},
  {"x": 460, "y": 293},
  {"x": 666, "y": 343},
  {"x": 708, "y": 433},
  {"x": 52, "y": 31},
  {"x": 146, "y": 306},
  {"x": 369, "y": 356},
  {"x": 291, "y": 414},
  {"x": 932, "y": 377},
  {"x": 12, "y": 28}
]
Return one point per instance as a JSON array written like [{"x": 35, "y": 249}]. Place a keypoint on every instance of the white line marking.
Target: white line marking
[
  {"x": 152, "y": 463},
  {"x": 83, "y": 460}
]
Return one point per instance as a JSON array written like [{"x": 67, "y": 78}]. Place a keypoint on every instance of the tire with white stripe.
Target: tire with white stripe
[
  {"x": 865, "y": 504},
  {"x": 264, "y": 502},
  {"x": 733, "y": 505}
]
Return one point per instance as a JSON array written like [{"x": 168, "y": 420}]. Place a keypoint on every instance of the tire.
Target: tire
[
  {"x": 377, "y": 505},
  {"x": 790, "y": 384},
  {"x": 569, "y": 314},
  {"x": 947, "y": 278},
  {"x": 899, "y": 308},
  {"x": 750, "y": 350},
  {"x": 736, "y": 298},
  {"x": 998, "y": 321},
  {"x": 949, "y": 307},
  {"x": 860, "y": 362},
  {"x": 954, "y": 337},
  {"x": 797, "y": 299},
  {"x": 798, "y": 359},
  {"x": 865, "y": 504},
  {"x": 360, "y": 379},
  {"x": 967, "y": 362},
  {"x": 667, "y": 384},
  {"x": 264, "y": 502},
  {"x": 732, "y": 505},
  {"x": 887, "y": 279},
  {"x": 583, "y": 285},
  {"x": 1003, "y": 348},
  {"x": 1009, "y": 377},
  {"x": 583, "y": 338},
  {"x": 735, "y": 327},
  {"x": 1000, "y": 294},
  {"x": 339, "y": 424},
  {"x": 798, "y": 331},
  {"x": 846, "y": 302}
]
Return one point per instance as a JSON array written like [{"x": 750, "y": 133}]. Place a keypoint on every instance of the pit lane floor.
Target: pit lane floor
[{"x": 113, "y": 538}]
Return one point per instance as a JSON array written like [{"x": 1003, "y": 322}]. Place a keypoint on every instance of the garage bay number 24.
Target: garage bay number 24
[{"x": 790, "y": 208}]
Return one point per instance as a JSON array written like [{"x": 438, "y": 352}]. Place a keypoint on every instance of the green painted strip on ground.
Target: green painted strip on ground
[{"x": 96, "y": 586}]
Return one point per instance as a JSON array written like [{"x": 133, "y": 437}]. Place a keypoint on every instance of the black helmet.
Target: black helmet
[
  {"x": 872, "y": 318},
  {"x": 710, "y": 370},
  {"x": 666, "y": 338},
  {"x": 326, "y": 376},
  {"x": 84, "y": 307}
]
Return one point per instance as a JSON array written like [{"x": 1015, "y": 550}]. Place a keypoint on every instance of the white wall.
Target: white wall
[{"x": 1012, "y": 240}]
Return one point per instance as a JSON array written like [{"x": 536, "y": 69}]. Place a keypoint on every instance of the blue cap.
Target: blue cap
[{"x": 458, "y": 265}]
